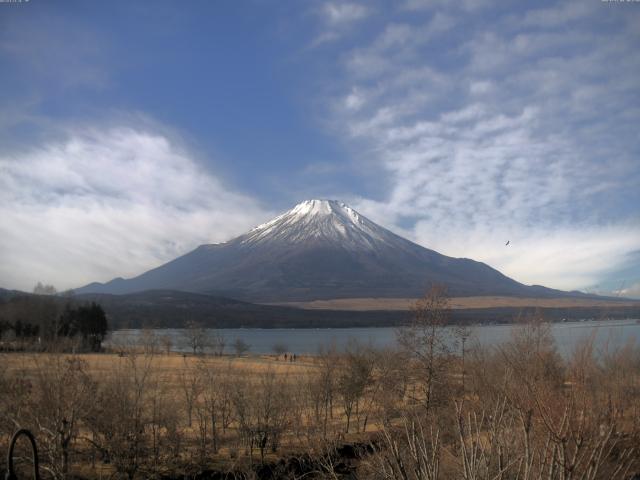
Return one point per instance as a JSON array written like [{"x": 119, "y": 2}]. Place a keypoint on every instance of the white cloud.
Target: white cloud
[
  {"x": 355, "y": 99},
  {"x": 633, "y": 291},
  {"x": 522, "y": 133},
  {"x": 342, "y": 13},
  {"x": 338, "y": 17},
  {"x": 466, "y": 5},
  {"x": 109, "y": 202},
  {"x": 559, "y": 15},
  {"x": 565, "y": 258}
]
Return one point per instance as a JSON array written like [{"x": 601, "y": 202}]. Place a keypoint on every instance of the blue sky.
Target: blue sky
[{"x": 131, "y": 132}]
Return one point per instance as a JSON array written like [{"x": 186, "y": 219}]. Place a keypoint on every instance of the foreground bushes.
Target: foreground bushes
[{"x": 431, "y": 410}]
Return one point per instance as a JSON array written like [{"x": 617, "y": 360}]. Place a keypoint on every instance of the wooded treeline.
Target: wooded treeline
[{"x": 42, "y": 322}]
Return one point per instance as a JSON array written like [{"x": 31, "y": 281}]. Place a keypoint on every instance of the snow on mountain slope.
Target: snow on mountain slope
[{"x": 321, "y": 220}]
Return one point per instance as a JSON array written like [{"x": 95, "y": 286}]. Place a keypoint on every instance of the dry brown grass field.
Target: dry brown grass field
[
  {"x": 169, "y": 366},
  {"x": 365, "y": 304},
  {"x": 188, "y": 390}
]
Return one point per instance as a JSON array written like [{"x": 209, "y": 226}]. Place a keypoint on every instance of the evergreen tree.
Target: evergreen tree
[{"x": 89, "y": 321}]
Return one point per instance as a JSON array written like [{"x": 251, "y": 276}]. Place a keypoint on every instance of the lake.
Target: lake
[{"x": 609, "y": 334}]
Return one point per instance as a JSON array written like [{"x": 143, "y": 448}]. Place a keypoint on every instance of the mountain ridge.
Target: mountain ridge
[{"x": 320, "y": 249}]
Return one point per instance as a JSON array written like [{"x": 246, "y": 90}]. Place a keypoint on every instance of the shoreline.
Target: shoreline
[{"x": 609, "y": 323}]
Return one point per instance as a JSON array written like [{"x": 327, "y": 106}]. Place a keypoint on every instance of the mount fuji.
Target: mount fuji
[{"x": 321, "y": 249}]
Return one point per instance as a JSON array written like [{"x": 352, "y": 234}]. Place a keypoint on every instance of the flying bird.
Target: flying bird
[{"x": 507, "y": 243}]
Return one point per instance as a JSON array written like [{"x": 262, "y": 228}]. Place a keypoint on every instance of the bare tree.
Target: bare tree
[
  {"x": 390, "y": 385},
  {"x": 149, "y": 341},
  {"x": 190, "y": 384},
  {"x": 462, "y": 332},
  {"x": 195, "y": 337},
  {"x": 217, "y": 343},
  {"x": 41, "y": 289},
  {"x": 215, "y": 402},
  {"x": 203, "y": 426},
  {"x": 427, "y": 341},
  {"x": 167, "y": 342},
  {"x": 241, "y": 347},
  {"x": 321, "y": 387},
  {"x": 354, "y": 376}
]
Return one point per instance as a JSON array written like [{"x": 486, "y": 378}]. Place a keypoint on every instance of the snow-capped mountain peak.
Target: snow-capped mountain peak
[
  {"x": 322, "y": 207},
  {"x": 320, "y": 220}
]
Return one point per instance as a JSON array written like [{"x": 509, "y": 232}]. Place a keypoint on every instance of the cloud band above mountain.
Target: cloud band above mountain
[{"x": 110, "y": 202}]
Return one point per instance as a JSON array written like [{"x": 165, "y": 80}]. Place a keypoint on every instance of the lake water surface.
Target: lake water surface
[{"x": 609, "y": 335}]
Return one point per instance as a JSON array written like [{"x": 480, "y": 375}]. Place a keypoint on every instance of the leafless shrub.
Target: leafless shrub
[
  {"x": 214, "y": 404},
  {"x": 62, "y": 392},
  {"x": 163, "y": 427},
  {"x": 190, "y": 387},
  {"x": 120, "y": 419},
  {"x": 411, "y": 451},
  {"x": 262, "y": 412},
  {"x": 387, "y": 395}
]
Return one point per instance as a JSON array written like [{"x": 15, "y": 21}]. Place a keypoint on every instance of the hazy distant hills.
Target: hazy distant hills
[
  {"x": 8, "y": 294},
  {"x": 175, "y": 309},
  {"x": 321, "y": 249}
]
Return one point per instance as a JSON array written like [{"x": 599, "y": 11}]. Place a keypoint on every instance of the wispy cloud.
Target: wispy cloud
[
  {"x": 109, "y": 201},
  {"x": 632, "y": 291},
  {"x": 464, "y": 5},
  {"x": 337, "y": 17},
  {"x": 560, "y": 15},
  {"x": 522, "y": 132},
  {"x": 341, "y": 13}
]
